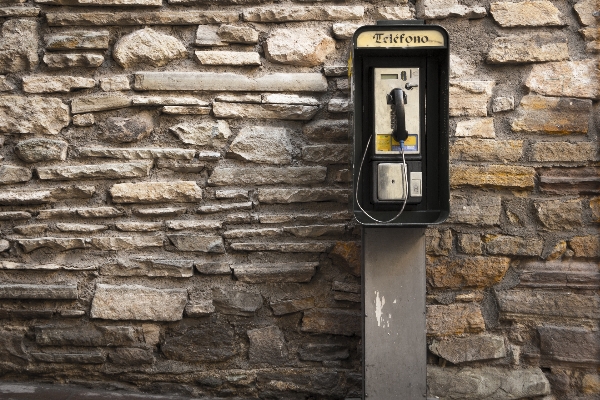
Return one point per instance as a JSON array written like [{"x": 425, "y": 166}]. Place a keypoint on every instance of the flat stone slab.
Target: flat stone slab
[
  {"x": 136, "y": 302},
  {"x": 97, "y": 171},
  {"x": 275, "y": 273},
  {"x": 262, "y": 175},
  {"x": 141, "y": 18},
  {"x": 228, "y": 81},
  {"x": 38, "y": 292},
  {"x": 33, "y": 114},
  {"x": 156, "y": 192}
]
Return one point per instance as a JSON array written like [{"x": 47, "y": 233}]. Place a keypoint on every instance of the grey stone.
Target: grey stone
[
  {"x": 74, "y": 40},
  {"x": 569, "y": 344},
  {"x": 156, "y": 192},
  {"x": 264, "y": 111},
  {"x": 263, "y": 145},
  {"x": 87, "y": 335},
  {"x": 73, "y": 60},
  {"x": 80, "y": 228},
  {"x": 502, "y": 103},
  {"x": 475, "y": 210},
  {"x": 327, "y": 130},
  {"x": 469, "y": 348},
  {"x": 514, "y": 245},
  {"x": 327, "y": 154},
  {"x": 547, "y": 303},
  {"x": 185, "y": 110},
  {"x": 581, "y": 152},
  {"x": 84, "y": 119},
  {"x": 336, "y": 70},
  {"x": 206, "y": 35},
  {"x": 240, "y": 303},
  {"x": 238, "y": 58},
  {"x": 565, "y": 79},
  {"x": 280, "y": 98},
  {"x": 14, "y": 215},
  {"x": 147, "y": 46},
  {"x": 554, "y": 115},
  {"x": 203, "y": 133},
  {"x": 238, "y": 34},
  {"x": 136, "y": 153},
  {"x": 120, "y": 243},
  {"x": 323, "y": 352},
  {"x": 298, "y": 46},
  {"x": 394, "y": 13},
  {"x": 223, "y": 176},
  {"x": 526, "y": 14},
  {"x": 240, "y": 98},
  {"x": 283, "y": 307},
  {"x": 118, "y": 3},
  {"x": 494, "y": 383},
  {"x": 454, "y": 319},
  {"x": 136, "y": 226},
  {"x": 303, "y": 13},
  {"x": 441, "y": 9},
  {"x": 203, "y": 243},
  {"x": 40, "y": 150},
  {"x": 6, "y": 85},
  {"x": 267, "y": 346},
  {"x": 19, "y": 46},
  {"x": 227, "y": 81},
  {"x": 302, "y": 195},
  {"x": 561, "y": 215},
  {"x": 131, "y": 356},
  {"x": 331, "y": 321},
  {"x": 199, "y": 309},
  {"x": 215, "y": 208},
  {"x": 203, "y": 341},
  {"x": 33, "y": 114},
  {"x": 44, "y": 196},
  {"x": 540, "y": 47},
  {"x": 115, "y": 83},
  {"x": 99, "y": 212},
  {"x": 19, "y": 12},
  {"x": 213, "y": 268},
  {"x": 316, "y": 230},
  {"x": 135, "y": 302},
  {"x": 30, "y": 230},
  {"x": 12, "y": 347},
  {"x": 149, "y": 266},
  {"x": 98, "y": 171},
  {"x": 52, "y": 243},
  {"x": 128, "y": 130},
  {"x": 284, "y": 247},
  {"x": 141, "y": 18},
  {"x": 102, "y": 102},
  {"x": 252, "y": 232},
  {"x": 96, "y": 357},
  {"x": 180, "y": 225},
  {"x": 38, "y": 292},
  {"x": 53, "y": 84},
  {"x": 10, "y": 174},
  {"x": 339, "y": 105},
  {"x": 274, "y": 273},
  {"x": 235, "y": 194}
]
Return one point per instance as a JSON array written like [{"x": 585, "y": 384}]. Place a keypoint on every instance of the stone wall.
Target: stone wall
[{"x": 175, "y": 186}]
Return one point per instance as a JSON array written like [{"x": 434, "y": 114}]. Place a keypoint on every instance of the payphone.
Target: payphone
[{"x": 399, "y": 79}]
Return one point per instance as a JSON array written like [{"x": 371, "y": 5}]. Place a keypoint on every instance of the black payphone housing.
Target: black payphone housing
[{"x": 399, "y": 77}]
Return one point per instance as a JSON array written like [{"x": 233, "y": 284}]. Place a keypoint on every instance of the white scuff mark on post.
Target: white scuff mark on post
[
  {"x": 379, "y": 303},
  {"x": 395, "y": 301}
]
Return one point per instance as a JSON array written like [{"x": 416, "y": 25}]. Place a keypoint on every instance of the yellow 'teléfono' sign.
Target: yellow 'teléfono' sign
[{"x": 396, "y": 38}]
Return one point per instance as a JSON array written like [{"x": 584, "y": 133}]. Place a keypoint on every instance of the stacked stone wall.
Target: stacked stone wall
[{"x": 174, "y": 197}]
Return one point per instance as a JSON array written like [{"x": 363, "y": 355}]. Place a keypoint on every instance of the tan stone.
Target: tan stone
[
  {"x": 470, "y": 98},
  {"x": 516, "y": 49},
  {"x": 96, "y": 171},
  {"x": 298, "y": 46},
  {"x": 454, "y": 319},
  {"x": 472, "y": 272},
  {"x": 203, "y": 133},
  {"x": 136, "y": 302},
  {"x": 555, "y": 115},
  {"x": 441, "y": 9},
  {"x": 559, "y": 214},
  {"x": 263, "y": 144},
  {"x": 70, "y": 60},
  {"x": 344, "y": 30},
  {"x": 394, "y": 13},
  {"x": 101, "y": 102},
  {"x": 77, "y": 40},
  {"x": 586, "y": 246},
  {"x": 486, "y": 150},
  {"x": 590, "y": 384},
  {"x": 513, "y": 245},
  {"x": 348, "y": 256},
  {"x": 303, "y": 13},
  {"x": 264, "y": 111},
  {"x": 147, "y": 46},
  {"x": 19, "y": 46},
  {"x": 567, "y": 79},
  {"x": 595, "y": 206},
  {"x": 507, "y": 176},
  {"x": 52, "y": 84},
  {"x": 526, "y": 13},
  {"x": 477, "y": 127},
  {"x": 585, "y": 12},
  {"x": 33, "y": 114},
  {"x": 238, "y": 34},
  {"x": 156, "y": 192},
  {"x": 581, "y": 152},
  {"x": 240, "y": 58},
  {"x": 141, "y": 18}
]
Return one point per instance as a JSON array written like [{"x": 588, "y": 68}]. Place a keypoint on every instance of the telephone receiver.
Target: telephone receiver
[{"x": 397, "y": 98}]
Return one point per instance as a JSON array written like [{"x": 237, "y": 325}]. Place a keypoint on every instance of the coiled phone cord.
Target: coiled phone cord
[{"x": 358, "y": 186}]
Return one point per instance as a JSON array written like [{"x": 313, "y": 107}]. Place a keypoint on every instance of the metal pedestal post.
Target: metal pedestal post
[{"x": 394, "y": 341}]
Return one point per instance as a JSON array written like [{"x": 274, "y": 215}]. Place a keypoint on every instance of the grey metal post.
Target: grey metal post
[{"x": 394, "y": 332}]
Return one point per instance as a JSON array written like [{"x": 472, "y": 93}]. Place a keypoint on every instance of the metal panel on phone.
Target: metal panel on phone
[
  {"x": 390, "y": 181},
  {"x": 406, "y": 79}
]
